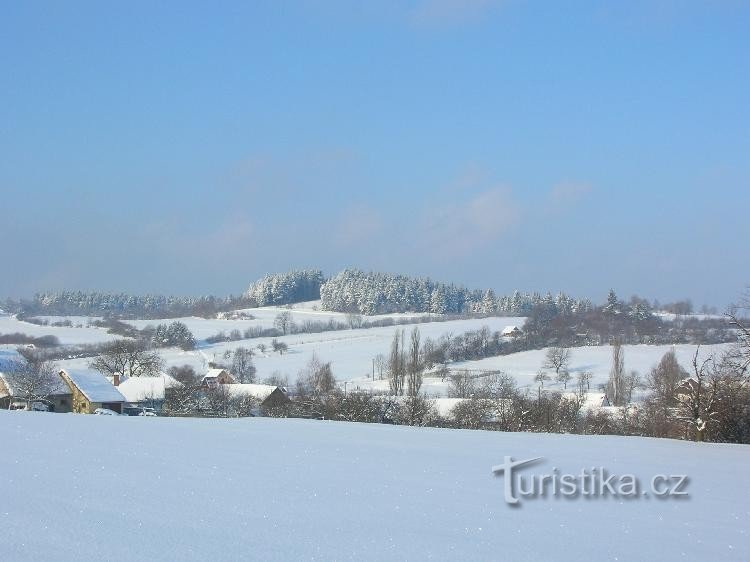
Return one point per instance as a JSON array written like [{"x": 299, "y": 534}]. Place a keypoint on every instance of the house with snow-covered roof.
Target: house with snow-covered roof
[
  {"x": 511, "y": 332},
  {"x": 91, "y": 390},
  {"x": 215, "y": 377},
  {"x": 146, "y": 391},
  {"x": 269, "y": 396}
]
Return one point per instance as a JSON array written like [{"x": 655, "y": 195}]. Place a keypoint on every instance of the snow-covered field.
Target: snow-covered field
[
  {"x": 70, "y": 335},
  {"x": 127, "y": 488},
  {"x": 264, "y": 318},
  {"x": 525, "y": 365},
  {"x": 351, "y": 352}
]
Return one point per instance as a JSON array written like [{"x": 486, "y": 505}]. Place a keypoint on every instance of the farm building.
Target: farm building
[
  {"x": 511, "y": 332},
  {"x": 268, "y": 395},
  {"x": 91, "y": 390},
  {"x": 215, "y": 377},
  {"x": 146, "y": 391}
]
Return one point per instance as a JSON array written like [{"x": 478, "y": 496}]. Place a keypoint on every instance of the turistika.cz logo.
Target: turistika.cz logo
[{"x": 594, "y": 482}]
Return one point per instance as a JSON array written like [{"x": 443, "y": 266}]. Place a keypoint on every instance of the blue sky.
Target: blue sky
[{"x": 187, "y": 148}]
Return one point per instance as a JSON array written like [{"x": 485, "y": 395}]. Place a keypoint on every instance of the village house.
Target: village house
[
  {"x": 268, "y": 395},
  {"x": 91, "y": 390},
  {"x": 215, "y": 377},
  {"x": 511, "y": 332},
  {"x": 56, "y": 399},
  {"x": 145, "y": 391}
]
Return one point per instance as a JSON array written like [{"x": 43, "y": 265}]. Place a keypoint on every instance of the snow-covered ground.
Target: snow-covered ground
[
  {"x": 524, "y": 366},
  {"x": 68, "y": 335},
  {"x": 264, "y": 317},
  {"x": 351, "y": 352},
  {"x": 122, "y": 488}
]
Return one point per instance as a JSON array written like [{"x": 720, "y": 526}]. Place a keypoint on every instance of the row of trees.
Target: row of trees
[
  {"x": 80, "y": 303},
  {"x": 353, "y": 290},
  {"x": 628, "y": 322}
]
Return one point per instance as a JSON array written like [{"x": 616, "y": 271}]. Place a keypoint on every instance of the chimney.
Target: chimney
[{"x": 116, "y": 380}]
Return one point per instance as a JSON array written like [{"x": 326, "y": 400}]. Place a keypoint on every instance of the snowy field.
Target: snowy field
[
  {"x": 130, "y": 488},
  {"x": 524, "y": 366},
  {"x": 264, "y": 318},
  {"x": 350, "y": 352},
  {"x": 67, "y": 335}
]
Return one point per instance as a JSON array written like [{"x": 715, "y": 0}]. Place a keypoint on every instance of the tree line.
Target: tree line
[{"x": 353, "y": 290}]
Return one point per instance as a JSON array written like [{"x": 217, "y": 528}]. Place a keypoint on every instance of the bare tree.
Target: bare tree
[
  {"x": 584, "y": 380},
  {"x": 461, "y": 385},
  {"x": 496, "y": 385},
  {"x": 354, "y": 320},
  {"x": 316, "y": 378},
  {"x": 474, "y": 413},
  {"x": 183, "y": 397},
  {"x": 128, "y": 359},
  {"x": 697, "y": 395},
  {"x": 414, "y": 365},
  {"x": 396, "y": 365},
  {"x": 219, "y": 400},
  {"x": 557, "y": 358},
  {"x": 380, "y": 365},
  {"x": 243, "y": 367},
  {"x": 632, "y": 381},
  {"x": 416, "y": 410},
  {"x": 185, "y": 375},
  {"x": 33, "y": 378},
  {"x": 616, "y": 386},
  {"x": 277, "y": 379},
  {"x": 540, "y": 377},
  {"x": 279, "y": 346},
  {"x": 283, "y": 322},
  {"x": 742, "y": 326},
  {"x": 664, "y": 379},
  {"x": 564, "y": 376}
]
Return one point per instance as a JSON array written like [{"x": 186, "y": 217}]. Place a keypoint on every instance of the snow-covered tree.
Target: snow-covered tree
[{"x": 286, "y": 288}]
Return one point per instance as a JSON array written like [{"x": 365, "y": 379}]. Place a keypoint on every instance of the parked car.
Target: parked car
[
  {"x": 36, "y": 406},
  {"x": 41, "y": 406},
  {"x": 105, "y": 412},
  {"x": 138, "y": 411}
]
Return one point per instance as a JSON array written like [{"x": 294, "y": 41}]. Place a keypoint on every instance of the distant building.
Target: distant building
[
  {"x": 268, "y": 395},
  {"x": 146, "y": 391},
  {"x": 91, "y": 390},
  {"x": 215, "y": 377},
  {"x": 511, "y": 332}
]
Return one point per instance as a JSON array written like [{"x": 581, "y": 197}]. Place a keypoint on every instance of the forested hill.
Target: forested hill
[{"x": 351, "y": 290}]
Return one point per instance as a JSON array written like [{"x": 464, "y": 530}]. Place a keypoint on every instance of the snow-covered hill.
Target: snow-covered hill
[
  {"x": 67, "y": 335},
  {"x": 119, "y": 488}
]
